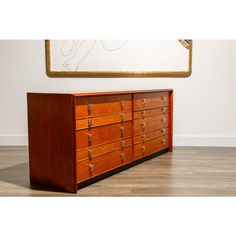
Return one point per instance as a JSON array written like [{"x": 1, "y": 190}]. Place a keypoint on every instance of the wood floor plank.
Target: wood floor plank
[{"x": 188, "y": 171}]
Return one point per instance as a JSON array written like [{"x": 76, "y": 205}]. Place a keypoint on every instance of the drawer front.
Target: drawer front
[
  {"x": 101, "y": 164},
  {"x": 103, "y": 134},
  {"x": 102, "y": 105},
  {"x": 151, "y": 146},
  {"x": 83, "y": 170},
  {"x": 151, "y": 112},
  {"x": 150, "y": 135},
  {"x": 150, "y": 100},
  {"x": 91, "y": 153},
  {"x": 102, "y": 120},
  {"x": 150, "y": 124}
]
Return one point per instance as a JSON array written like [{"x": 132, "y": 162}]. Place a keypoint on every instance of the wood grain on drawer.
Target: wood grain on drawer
[
  {"x": 103, "y": 120},
  {"x": 150, "y": 135},
  {"x": 151, "y": 123},
  {"x": 102, "y": 105},
  {"x": 103, "y": 163},
  {"x": 101, "y": 149},
  {"x": 103, "y": 134},
  {"x": 151, "y": 112},
  {"x": 151, "y": 146},
  {"x": 150, "y": 100}
]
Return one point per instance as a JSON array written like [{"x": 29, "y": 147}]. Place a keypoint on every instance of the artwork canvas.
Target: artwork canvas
[{"x": 118, "y": 58}]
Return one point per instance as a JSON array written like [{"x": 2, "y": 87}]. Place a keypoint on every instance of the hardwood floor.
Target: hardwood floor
[{"x": 188, "y": 171}]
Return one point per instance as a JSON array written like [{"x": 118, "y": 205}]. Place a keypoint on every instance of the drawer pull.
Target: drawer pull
[
  {"x": 122, "y": 105},
  {"x": 143, "y": 137},
  {"x": 91, "y": 168},
  {"x": 122, "y": 132},
  {"x": 163, "y": 99},
  {"x": 90, "y": 108},
  {"x": 163, "y": 131},
  {"x": 143, "y": 149},
  {"x": 164, "y": 110},
  {"x": 143, "y": 113},
  {"x": 144, "y": 101},
  {"x": 122, "y": 157},
  {"x": 122, "y": 144},
  {"x": 163, "y": 141},
  {"x": 90, "y": 139},
  {"x": 90, "y": 153},
  {"x": 122, "y": 117},
  {"x": 163, "y": 120},
  {"x": 90, "y": 123}
]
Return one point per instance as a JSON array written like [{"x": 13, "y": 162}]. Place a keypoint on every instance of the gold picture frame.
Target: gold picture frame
[{"x": 118, "y": 74}]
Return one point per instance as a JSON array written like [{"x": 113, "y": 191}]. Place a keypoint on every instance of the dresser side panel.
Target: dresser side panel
[{"x": 51, "y": 132}]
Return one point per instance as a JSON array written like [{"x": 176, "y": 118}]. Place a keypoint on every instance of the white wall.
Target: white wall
[{"x": 205, "y": 103}]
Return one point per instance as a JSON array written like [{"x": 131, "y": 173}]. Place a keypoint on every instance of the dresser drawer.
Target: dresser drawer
[
  {"x": 102, "y": 120},
  {"x": 151, "y": 123},
  {"x": 150, "y": 100},
  {"x": 151, "y": 112},
  {"x": 91, "y": 153},
  {"x": 102, "y": 105},
  {"x": 150, "y": 135},
  {"x": 103, "y": 163},
  {"x": 103, "y": 134},
  {"x": 151, "y": 146}
]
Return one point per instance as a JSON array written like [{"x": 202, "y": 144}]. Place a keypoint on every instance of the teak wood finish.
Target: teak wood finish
[{"x": 78, "y": 138}]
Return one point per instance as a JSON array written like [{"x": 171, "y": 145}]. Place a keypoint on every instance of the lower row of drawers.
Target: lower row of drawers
[{"x": 100, "y": 164}]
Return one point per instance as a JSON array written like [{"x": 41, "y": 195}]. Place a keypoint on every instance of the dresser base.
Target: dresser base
[{"x": 119, "y": 169}]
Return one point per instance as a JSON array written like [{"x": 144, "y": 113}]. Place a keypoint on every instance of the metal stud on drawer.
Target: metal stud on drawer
[
  {"x": 143, "y": 137},
  {"x": 163, "y": 131},
  {"x": 122, "y": 105},
  {"x": 90, "y": 139},
  {"x": 90, "y": 154},
  {"x": 122, "y": 157},
  {"x": 144, "y": 102},
  {"x": 143, "y": 150},
  {"x": 90, "y": 123},
  {"x": 163, "y": 119},
  {"x": 122, "y": 132},
  {"x": 90, "y": 109},
  {"x": 122, "y": 117},
  {"x": 163, "y": 110},
  {"x": 91, "y": 169},
  {"x": 163, "y": 141},
  {"x": 143, "y": 113},
  {"x": 122, "y": 144}
]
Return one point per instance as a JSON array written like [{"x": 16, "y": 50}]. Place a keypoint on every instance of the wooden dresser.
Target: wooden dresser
[{"x": 78, "y": 138}]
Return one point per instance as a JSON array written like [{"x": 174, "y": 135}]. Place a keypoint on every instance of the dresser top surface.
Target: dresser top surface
[{"x": 92, "y": 93}]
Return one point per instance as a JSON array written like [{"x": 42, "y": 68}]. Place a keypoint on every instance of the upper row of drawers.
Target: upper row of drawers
[{"x": 110, "y": 104}]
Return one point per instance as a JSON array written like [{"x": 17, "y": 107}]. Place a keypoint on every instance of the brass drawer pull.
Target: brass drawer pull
[
  {"x": 91, "y": 168},
  {"x": 122, "y": 157},
  {"x": 90, "y": 123},
  {"x": 90, "y": 139},
  {"x": 143, "y": 149},
  {"x": 122, "y": 144},
  {"x": 122, "y": 105},
  {"x": 122, "y": 132},
  {"x": 163, "y": 120},
  {"x": 122, "y": 117},
  {"x": 90, "y": 154},
  {"x": 163, "y": 141},
  {"x": 163, "y": 99},
  {"x": 143, "y": 137},
  {"x": 163, "y": 110},
  {"x": 163, "y": 131},
  {"x": 144, "y": 101},
  {"x": 90, "y": 108},
  {"x": 143, "y": 113}
]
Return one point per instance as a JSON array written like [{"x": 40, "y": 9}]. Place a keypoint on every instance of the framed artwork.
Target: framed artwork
[{"x": 118, "y": 58}]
